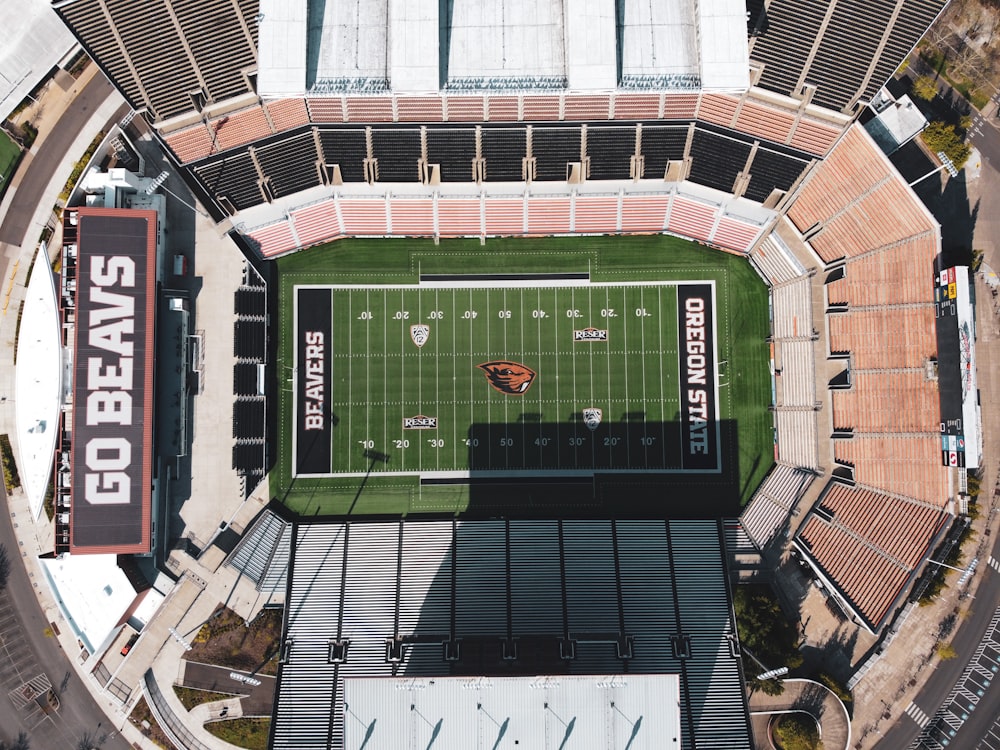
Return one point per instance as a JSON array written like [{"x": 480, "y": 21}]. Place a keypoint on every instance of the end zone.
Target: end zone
[{"x": 699, "y": 382}]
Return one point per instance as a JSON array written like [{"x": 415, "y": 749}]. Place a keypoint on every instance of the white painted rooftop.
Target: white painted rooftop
[
  {"x": 506, "y": 40},
  {"x": 34, "y": 41},
  {"x": 38, "y": 382},
  {"x": 368, "y": 46},
  {"x": 92, "y": 592},
  {"x": 281, "y": 48},
  {"x": 638, "y": 712}
]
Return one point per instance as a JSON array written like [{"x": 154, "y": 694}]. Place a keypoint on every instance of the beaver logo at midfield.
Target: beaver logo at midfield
[{"x": 511, "y": 378}]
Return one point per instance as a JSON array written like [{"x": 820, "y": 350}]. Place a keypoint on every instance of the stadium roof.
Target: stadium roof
[
  {"x": 113, "y": 279},
  {"x": 514, "y": 45},
  {"x": 430, "y": 599},
  {"x": 38, "y": 382},
  {"x": 638, "y": 712},
  {"x": 34, "y": 42}
]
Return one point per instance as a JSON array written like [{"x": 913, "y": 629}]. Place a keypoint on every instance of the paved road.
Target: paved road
[
  {"x": 936, "y": 689},
  {"x": 257, "y": 700},
  {"x": 28, "y": 652},
  {"x": 39, "y": 168}
]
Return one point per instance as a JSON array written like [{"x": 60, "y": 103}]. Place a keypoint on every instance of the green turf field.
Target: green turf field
[
  {"x": 10, "y": 154},
  {"x": 623, "y": 371},
  {"x": 536, "y": 441}
]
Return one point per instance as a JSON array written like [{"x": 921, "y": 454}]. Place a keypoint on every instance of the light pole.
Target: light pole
[
  {"x": 966, "y": 572},
  {"x": 946, "y": 164}
]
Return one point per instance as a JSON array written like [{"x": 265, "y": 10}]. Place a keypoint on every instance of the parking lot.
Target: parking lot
[
  {"x": 969, "y": 691},
  {"x": 21, "y": 679}
]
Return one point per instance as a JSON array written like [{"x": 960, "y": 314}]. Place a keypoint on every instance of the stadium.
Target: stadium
[{"x": 534, "y": 298}]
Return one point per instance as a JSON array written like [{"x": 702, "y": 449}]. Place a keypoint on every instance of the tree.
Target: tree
[
  {"x": 4, "y": 567},
  {"x": 942, "y": 137},
  {"x": 797, "y": 732},
  {"x": 764, "y": 629},
  {"x": 21, "y": 743},
  {"x": 924, "y": 87}
]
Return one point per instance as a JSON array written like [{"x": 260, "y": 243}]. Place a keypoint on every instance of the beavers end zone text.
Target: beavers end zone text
[{"x": 641, "y": 353}]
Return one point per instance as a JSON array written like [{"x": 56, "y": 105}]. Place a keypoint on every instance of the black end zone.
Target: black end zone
[
  {"x": 696, "y": 353},
  {"x": 313, "y": 418}
]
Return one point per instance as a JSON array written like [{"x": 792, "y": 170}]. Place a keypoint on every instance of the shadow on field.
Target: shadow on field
[{"x": 628, "y": 468}]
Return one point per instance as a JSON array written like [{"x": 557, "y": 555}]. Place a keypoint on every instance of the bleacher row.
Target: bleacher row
[
  {"x": 312, "y": 157},
  {"x": 841, "y": 211},
  {"x": 756, "y": 119},
  {"x": 490, "y": 598},
  {"x": 879, "y": 246},
  {"x": 846, "y": 49},
  {"x": 262, "y": 554},
  {"x": 163, "y": 50},
  {"x": 768, "y": 510},
  {"x": 249, "y": 403},
  {"x": 869, "y": 542},
  {"x": 456, "y": 216},
  {"x": 792, "y": 333}
]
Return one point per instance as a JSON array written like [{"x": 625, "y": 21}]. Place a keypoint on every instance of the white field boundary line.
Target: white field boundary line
[
  {"x": 509, "y": 473},
  {"x": 512, "y": 474},
  {"x": 538, "y": 283}
]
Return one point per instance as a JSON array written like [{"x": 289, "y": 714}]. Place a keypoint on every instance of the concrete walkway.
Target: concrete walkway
[{"x": 811, "y": 697}]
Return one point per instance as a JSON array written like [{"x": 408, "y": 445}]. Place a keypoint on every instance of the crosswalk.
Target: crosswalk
[
  {"x": 915, "y": 713},
  {"x": 995, "y": 564}
]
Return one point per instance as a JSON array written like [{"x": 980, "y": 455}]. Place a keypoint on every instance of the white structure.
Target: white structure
[
  {"x": 638, "y": 712},
  {"x": 515, "y": 45},
  {"x": 93, "y": 594},
  {"x": 38, "y": 381},
  {"x": 35, "y": 40}
]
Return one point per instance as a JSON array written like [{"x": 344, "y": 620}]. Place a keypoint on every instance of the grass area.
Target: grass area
[
  {"x": 381, "y": 378},
  {"x": 10, "y": 155},
  {"x": 226, "y": 641},
  {"x": 10, "y": 476},
  {"x": 937, "y": 60},
  {"x": 191, "y": 697},
  {"x": 250, "y": 733},
  {"x": 79, "y": 166},
  {"x": 142, "y": 717},
  {"x": 742, "y": 327}
]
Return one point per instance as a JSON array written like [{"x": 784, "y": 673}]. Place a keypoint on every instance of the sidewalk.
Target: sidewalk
[{"x": 36, "y": 539}]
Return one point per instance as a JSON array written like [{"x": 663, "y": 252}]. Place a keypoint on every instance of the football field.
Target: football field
[
  {"x": 513, "y": 376},
  {"x": 583, "y": 376}
]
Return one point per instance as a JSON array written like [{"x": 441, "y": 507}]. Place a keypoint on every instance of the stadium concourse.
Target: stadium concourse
[{"x": 570, "y": 119}]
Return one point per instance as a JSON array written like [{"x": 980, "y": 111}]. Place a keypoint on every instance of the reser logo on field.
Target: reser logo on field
[
  {"x": 420, "y": 422},
  {"x": 590, "y": 334}
]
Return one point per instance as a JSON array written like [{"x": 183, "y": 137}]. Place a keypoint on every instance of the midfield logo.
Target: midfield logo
[
  {"x": 590, "y": 334},
  {"x": 592, "y": 417},
  {"x": 511, "y": 378},
  {"x": 420, "y": 333},
  {"x": 420, "y": 422}
]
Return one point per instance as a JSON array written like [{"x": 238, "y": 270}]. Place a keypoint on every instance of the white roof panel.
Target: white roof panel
[
  {"x": 639, "y": 712},
  {"x": 35, "y": 40},
  {"x": 93, "y": 593},
  {"x": 506, "y": 42},
  {"x": 281, "y": 48},
  {"x": 725, "y": 55}
]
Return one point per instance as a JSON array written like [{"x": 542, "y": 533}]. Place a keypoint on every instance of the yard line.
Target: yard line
[
  {"x": 521, "y": 322},
  {"x": 506, "y": 401},
  {"x": 454, "y": 379},
  {"x": 489, "y": 409},
  {"x": 680, "y": 417},
  {"x": 663, "y": 411},
  {"x": 607, "y": 303},
  {"x": 628, "y": 400}
]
